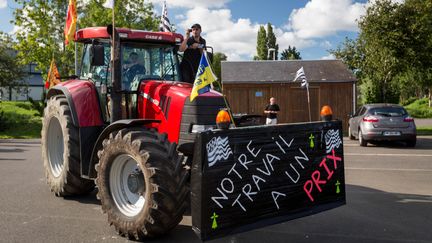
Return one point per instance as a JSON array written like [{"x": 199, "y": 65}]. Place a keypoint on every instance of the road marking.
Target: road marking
[
  {"x": 408, "y": 200},
  {"x": 48, "y": 216},
  {"x": 399, "y": 155},
  {"x": 386, "y": 169}
]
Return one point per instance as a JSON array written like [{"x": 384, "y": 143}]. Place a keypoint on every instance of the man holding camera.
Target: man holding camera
[{"x": 192, "y": 46}]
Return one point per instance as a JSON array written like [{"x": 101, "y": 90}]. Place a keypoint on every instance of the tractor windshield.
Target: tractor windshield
[
  {"x": 138, "y": 61},
  {"x": 157, "y": 62}
]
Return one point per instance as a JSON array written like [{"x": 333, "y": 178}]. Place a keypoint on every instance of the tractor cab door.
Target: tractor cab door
[{"x": 95, "y": 68}]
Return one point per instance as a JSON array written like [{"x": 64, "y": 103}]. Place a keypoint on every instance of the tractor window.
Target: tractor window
[
  {"x": 96, "y": 74},
  {"x": 147, "y": 62}
]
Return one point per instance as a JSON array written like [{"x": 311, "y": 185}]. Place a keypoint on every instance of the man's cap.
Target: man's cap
[{"x": 196, "y": 26}]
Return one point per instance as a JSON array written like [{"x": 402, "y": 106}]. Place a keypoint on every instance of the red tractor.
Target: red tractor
[
  {"x": 127, "y": 126},
  {"x": 140, "y": 155}
]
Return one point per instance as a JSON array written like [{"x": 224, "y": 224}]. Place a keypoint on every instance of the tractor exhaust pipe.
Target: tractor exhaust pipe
[{"x": 116, "y": 96}]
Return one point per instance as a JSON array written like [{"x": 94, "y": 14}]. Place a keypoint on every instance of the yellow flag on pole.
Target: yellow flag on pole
[{"x": 203, "y": 78}]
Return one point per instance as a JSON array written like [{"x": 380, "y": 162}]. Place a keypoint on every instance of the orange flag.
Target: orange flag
[
  {"x": 71, "y": 20},
  {"x": 53, "y": 75}
]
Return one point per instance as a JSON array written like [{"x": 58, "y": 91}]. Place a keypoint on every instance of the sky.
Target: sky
[{"x": 231, "y": 26}]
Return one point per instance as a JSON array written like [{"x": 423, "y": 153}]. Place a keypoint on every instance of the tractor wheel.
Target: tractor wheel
[
  {"x": 60, "y": 150},
  {"x": 141, "y": 182}
]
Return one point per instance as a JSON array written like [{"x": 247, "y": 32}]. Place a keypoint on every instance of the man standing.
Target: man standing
[
  {"x": 192, "y": 46},
  {"x": 271, "y": 110}
]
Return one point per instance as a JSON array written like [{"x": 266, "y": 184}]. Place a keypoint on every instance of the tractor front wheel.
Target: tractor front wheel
[
  {"x": 141, "y": 182},
  {"x": 60, "y": 150}
]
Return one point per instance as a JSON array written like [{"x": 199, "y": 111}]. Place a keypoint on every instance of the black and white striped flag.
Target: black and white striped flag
[
  {"x": 165, "y": 25},
  {"x": 302, "y": 76}
]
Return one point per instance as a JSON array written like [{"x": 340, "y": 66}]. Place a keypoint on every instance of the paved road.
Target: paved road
[{"x": 389, "y": 199}]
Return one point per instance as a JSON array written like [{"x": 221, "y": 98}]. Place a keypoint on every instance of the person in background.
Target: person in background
[
  {"x": 271, "y": 111},
  {"x": 192, "y": 46}
]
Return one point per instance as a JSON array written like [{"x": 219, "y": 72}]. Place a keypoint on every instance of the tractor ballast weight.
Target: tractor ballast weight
[{"x": 135, "y": 134}]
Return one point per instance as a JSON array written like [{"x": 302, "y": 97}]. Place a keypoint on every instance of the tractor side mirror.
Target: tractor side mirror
[{"x": 97, "y": 55}]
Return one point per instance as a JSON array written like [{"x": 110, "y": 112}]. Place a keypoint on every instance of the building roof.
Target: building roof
[{"x": 285, "y": 71}]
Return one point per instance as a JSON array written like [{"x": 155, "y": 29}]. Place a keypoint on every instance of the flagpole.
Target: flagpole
[
  {"x": 224, "y": 98},
  {"x": 113, "y": 40},
  {"x": 308, "y": 98},
  {"x": 226, "y": 103},
  {"x": 76, "y": 51}
]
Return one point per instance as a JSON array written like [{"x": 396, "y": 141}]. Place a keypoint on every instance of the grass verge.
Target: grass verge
[
  {"x": 420, "y": 109},
  {"x": 19, "y": 120},
  {"x": 427, "y": 130}
]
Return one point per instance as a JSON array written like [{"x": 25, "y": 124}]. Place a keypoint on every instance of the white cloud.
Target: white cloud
[
  {"x": 320, "y": 18},
  {"x": 306, "y": 27},
  {"x": 288, "y": 38},
  {"x": 192, "y": 3},
  {"x": 326, "y": 44},
  {"x": 179, "y": 16},
  {"x": 237, "y": 39},
  {"x": 3, "y": 3},
  {"x": 328, "y": 57}
]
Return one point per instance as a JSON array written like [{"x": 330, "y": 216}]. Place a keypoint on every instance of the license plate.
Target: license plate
[{"x": 388, "y": 133}]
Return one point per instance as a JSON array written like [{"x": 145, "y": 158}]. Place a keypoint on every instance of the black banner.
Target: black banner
[{"x": 246, "y": 178}]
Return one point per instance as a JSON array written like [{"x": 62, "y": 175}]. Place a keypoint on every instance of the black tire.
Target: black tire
[
  {"x": 60, "y": 150},
  {"x": 351, "y": 137},
  {"x": 362, "y": 141},
  {"x": 163, "y": 183},
  {"x": 411, "y": 143}
]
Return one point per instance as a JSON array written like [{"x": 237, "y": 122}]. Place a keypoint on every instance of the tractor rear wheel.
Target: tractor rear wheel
[
  {"x": 141, "y": 182},
  {"x": 60, "y": 150}
]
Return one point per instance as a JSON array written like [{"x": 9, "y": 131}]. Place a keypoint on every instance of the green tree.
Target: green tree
[
  {"x": 271, "y": 43},
  {"x": 134, "y": 14},
  {"x": 218, "y": 57},
  {"x": 41, "y": 24},
  {"x": 290, "y": 54},
  {"x": 262, "y": 48},
  {"x": 11, "y": 71},
  {"x": 392, "y": 56},
  {"x": 417, "y": 47}
]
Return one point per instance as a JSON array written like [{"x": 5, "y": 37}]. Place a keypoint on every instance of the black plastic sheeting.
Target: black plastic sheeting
[{"x": 251, "y": 177}]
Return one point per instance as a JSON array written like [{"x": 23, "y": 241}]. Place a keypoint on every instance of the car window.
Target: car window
[
  {"x": 358, "y": 112},
  {"x": 362, "y": 111},
  {"x": 388, "y": 111}
]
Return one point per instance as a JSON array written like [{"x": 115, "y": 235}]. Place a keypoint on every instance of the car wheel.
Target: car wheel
[
  {"x": 362, "y": 141},
  {"x": 351, "y": 137},
  {"x": 411, "y": 142}
]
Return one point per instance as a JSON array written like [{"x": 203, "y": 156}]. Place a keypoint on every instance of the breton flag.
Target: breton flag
[
  {"x": 109, "y": 4},
  {"x": 204, "y": 77},
  {"x": 53, "y": 77},
  {"x": 302, "y": 76},
  {"x": 165, "y": 24},
  {"x": 71, "y": 20}
]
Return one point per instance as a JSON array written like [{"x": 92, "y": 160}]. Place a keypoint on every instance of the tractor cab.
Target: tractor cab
[{"x": 143, "y": 56}]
